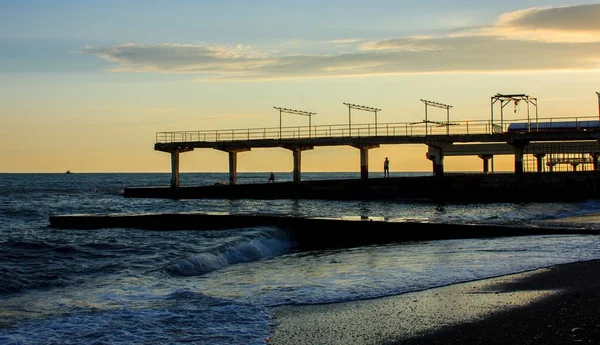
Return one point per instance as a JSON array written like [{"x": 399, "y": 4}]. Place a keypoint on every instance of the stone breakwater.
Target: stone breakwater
[
  {"x": 504, "y": 187},
  {"x": 309, "y": 233}
]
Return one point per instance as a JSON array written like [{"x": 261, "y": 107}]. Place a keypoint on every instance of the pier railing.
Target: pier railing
[{"x": 355, "y": 130}]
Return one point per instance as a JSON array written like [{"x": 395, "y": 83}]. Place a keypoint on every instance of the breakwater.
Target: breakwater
[
  {"x": 499, "y": 187},
  {"x": 308, "y": 233}
]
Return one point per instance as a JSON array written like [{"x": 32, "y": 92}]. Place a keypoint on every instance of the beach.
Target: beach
[{"x": 554, "y": 305}]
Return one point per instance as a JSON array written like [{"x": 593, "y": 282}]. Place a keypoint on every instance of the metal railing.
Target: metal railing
[{"x": 413, "y": 129}]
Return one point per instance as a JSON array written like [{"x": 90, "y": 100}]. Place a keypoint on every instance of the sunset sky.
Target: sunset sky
[{"x": 85, "y": 85}]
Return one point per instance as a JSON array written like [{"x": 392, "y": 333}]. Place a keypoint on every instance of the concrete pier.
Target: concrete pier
[
  {"x": 461, "y": 188},
  {"x": 440, "y": 146}
]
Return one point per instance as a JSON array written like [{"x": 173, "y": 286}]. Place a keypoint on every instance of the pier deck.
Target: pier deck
[{"x": 483, "y": 139}]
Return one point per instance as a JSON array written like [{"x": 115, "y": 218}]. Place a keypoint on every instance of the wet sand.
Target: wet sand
[{"x": 554, "y": 305}]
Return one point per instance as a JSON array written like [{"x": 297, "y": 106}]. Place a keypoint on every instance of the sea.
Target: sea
[{"x": 131, "y": 286}]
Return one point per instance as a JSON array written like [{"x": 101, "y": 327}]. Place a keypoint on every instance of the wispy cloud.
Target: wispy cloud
[
  {"x": 345, "y": 40},
  {"x": 549, "y": 38}
]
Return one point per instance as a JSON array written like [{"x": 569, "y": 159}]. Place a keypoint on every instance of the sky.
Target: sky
[{"x": 86, "y": 85}]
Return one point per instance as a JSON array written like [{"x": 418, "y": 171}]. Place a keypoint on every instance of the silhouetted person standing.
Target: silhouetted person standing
[
  {"x": 386, "y": 167},
  {"x": 271, "y": 178}
]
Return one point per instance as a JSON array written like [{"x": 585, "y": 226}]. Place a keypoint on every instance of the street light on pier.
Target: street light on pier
[
  {"x": 360, "y": 107},
  {"x": 438, "y": 105},
  {"x": 297, "y": 112},
  {"x": 598, "y": 93},
  {"x": 515, "y": 99}
]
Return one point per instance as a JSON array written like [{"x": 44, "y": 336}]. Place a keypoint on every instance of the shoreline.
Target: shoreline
[{"x": 552, "y": 305}]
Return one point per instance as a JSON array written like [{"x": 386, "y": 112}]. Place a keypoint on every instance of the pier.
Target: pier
[
  {"x": 468, "y": 138},
  {"x": 538, "y": 145}
]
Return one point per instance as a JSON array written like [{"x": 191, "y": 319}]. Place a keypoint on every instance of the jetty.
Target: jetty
[
  {"x": 546, "y": 151},
  {"x": 307, "y": 233}
]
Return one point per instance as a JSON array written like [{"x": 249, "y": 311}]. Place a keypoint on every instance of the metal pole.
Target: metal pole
[
  {"x": 279, "y": 124},
  {"x": 598, "y": 93},
  {"x": 349, "y": 122},
  {"x": 426, "y": 127},
  {"x": 528, "y": 121},
  {"x": 536, "y": 115},
  {"x": 309, "y": 126},
  {"x": 502, "y": 114},
  {"x": 492, "y": 112},
  {"x": 448, "y": 121},
  {"x": 375, "y": 122}
]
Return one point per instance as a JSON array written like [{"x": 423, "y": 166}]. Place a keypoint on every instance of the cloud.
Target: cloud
[
  {"x": 568, "y": 24},
  {"x": 179, "y": 58},
  {"x": 568, "y": 18},
  {"x": 345, "y": 40},
  {"x": 535, "y": 39}
]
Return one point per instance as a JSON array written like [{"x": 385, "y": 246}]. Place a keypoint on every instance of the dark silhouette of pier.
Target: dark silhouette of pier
[{"x": 538, "y": 145}]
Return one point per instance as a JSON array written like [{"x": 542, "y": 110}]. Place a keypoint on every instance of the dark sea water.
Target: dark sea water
[{"x": 128, "y": 286}]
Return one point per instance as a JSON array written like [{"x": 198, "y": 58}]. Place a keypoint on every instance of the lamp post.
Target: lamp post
[
  {"x": 297, "y": 112},
  {"x": 514, "y": 98},
  {"x": 438, "y": 105},
  {"x": 360, "y": 107},
  {"x": 598, "y": 93}
]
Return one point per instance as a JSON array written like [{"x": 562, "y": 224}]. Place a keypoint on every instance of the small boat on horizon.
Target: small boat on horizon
[{"x": 68, "y": 172}]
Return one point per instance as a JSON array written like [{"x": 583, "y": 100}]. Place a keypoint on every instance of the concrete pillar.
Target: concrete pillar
[
  {"x": 574, "y": 165},
  {"x": 232, "y": 151},
  {"x": 595, "y": 159},
  {"x": 364, "y": 163},
  {"x": 297, "y": 165},
  {"x": 364, "y": 158},
  {"x": 518, "y": 145},
  {"x": 518, "y": 160},
  {"x": 233, "y": 167},
  {"x": 539, "y": 158},
  {"x": 550, "y": 167},
  {"x": 175, "y": 169},
  {"x": 297, "y": 152},
  {"x": 175, "y": 164},
  {"x": 486, "y": 163},
  {"x": 436, "y": 156}
]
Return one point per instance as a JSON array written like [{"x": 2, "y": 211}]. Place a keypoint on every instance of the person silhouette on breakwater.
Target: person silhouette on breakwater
[
  {"x": 271, "y": 178},
  {"x": 386, "y": 167}
]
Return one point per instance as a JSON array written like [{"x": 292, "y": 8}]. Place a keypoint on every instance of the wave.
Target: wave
[{"x": 250, "y": 245}]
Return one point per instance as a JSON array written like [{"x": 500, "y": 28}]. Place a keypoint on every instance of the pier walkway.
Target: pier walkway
[{"x": 443, "y": 139}]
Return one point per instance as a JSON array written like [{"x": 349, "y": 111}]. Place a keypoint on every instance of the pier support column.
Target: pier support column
[
  {"x": 364, "y": 158},
  {"x": 519, "y": 145},
  {"x": 519, "y": 160},
  {"x": 232, "y": 167},
  {"x": 539, "y": 157},
  {"x": 233, "y": 151},
  {"x": 297, "y": 152},
  {"x": 175, "y": 164},
  {"x": 486, "y": 163},
  {"x": 435, "y": 154},
  {"x": 175, "y": 169},
  {"x": 595, "y": 159},
  {"x": 437, "y": 158}
]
